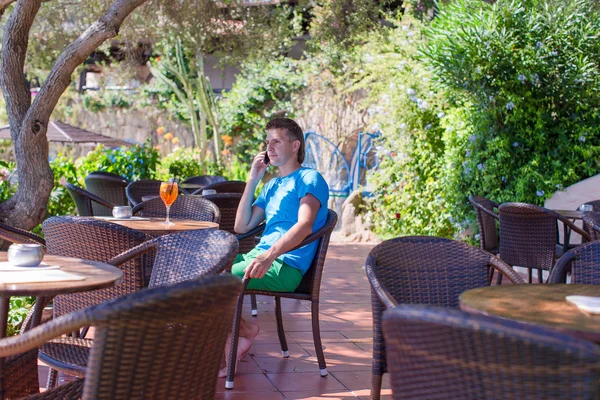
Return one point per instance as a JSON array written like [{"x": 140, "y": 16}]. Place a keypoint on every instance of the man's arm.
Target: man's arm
[
  {"x": 307, "y": 213},
  {"x": 247, "y": 216}
]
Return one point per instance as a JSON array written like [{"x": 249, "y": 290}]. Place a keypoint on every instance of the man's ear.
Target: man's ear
[{"x": 296, "y": 145}]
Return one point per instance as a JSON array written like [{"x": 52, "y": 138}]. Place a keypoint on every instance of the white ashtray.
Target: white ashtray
[{"x": 588, "y": 304}]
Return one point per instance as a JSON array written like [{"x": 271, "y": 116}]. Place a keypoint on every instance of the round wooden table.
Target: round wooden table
[
  {"x": 537, "y": 304},
  {"x": 97, "y": 276},
  {"x": 156, "y": 226}
]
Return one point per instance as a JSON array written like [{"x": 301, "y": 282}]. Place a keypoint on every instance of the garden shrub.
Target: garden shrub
[
  {"x": 263, "y": 91},
  {"x": 527, "y": 74},
  {"x": 408, "y": 187},
  {"x": 136, "y": 162}
]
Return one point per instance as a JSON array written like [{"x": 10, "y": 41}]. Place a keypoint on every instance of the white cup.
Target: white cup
[
  {"x": 123, "y": 212},
  {"x": 25, "y": 255},
  {"x": 586, "y": 207}
]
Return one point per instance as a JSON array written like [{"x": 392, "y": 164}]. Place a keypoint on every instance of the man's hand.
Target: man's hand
[
  {"x": 257, "y": 171},
  {"x": 258, "y": 267}
]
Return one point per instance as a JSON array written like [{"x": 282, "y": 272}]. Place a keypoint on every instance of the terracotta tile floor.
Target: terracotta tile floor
[{"x": 346, "y": 332}]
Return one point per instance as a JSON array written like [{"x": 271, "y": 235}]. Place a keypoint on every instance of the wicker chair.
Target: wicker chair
[
  {"x": 423, "y": 270},
  {"x": 107, "y": 186},
  {"x": 204, "y": 180},
  {"x": 228, "y": 204},
  {"x": 582, "y": 263},
  {"x": 528, "y": 236},
  {"x": 87, "y": 202},
  {"x": 440, "y": 353},
  {"x": 177, "y": 257},
  {"x": 486, "y": 219},
  {"x": 143, "y": 349},
  {"x": 185, "y": 207},
  {"x": 17, "y": 235},
  {"x": 144, "y": 187},
  {"x": 224, "y": 187},
  {"x": 591, "y": 224},
  {"x": 307, "y": 290}
]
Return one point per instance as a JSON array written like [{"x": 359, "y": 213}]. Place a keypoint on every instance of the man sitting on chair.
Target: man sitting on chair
[{"x": 294, "y": 205}]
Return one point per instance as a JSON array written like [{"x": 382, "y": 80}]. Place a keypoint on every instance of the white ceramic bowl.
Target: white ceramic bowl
[
  {"x": 123, "y": 212},
  {"x": 25, "y": 255}
]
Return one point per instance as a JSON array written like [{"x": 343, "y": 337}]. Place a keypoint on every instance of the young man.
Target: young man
[{"x": 294, "y": 205}]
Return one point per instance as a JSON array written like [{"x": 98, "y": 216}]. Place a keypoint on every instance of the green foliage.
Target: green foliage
[
  {"x": 408, "y": 197},
  {"x": 527, "y": 74},
  {"x": 6, "y": 188},
  {"x": 136, "y": 162},
  {"x": 97, "y": 101},
  {"x": 18, "y": 309},
  {"x": 61, "y": 202},
  {"x": 184, "y": 163},
  {"x": 264, "y": 90}
]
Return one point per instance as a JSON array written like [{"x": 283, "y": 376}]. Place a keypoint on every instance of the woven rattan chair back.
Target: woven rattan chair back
[
  {"x": 204, "y": 180},
  {"x": 486, "y": 219},
  {"x": 87, "y": 202},
  {"x": 423, "y": 270},
  {"x": 528, "y": 235},
  {"x": 17, "y": 235},
  {"x": 185, "y": 207},
  {"x": 95, "y": 240},
  {"x": 192, "y": 254},
  {"x": 161, "y": 343},
  {"x": 583, "y": 264},
  {"x": 228, "y": 204},
  {"x": 225, "y": 187},
  {"x": 138, "y": 189},
  {"x": 438, "y": 353},
  {"x": 591, "y": 223},
  {"x": 107, "y": 186}
]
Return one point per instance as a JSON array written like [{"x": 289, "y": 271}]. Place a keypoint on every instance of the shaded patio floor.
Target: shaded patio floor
[{"x": 346, "y": 332}]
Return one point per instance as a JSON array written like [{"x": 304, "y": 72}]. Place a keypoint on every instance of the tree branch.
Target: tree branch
[
  {"x": 14, "y": 50},
  {"x": 76, "y": 53}
]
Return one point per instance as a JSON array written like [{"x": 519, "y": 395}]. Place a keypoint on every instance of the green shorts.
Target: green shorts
[{"x": 279, "y": 278}]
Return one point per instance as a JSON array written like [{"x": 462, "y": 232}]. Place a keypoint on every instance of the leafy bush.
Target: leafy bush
[
  {"x": 97, "y": 101},
  {"x": 526, "y": 73},
  {"x": 263, "y": 90},
  {"x": 409, "y": 110},
  {"x": 183, "y": 163},
  {"x": 18, "y": 309},
  {"x": 61, "y": 202},
  {"x": 6, "y": 188},
  {"x": 136, "y": 162}
]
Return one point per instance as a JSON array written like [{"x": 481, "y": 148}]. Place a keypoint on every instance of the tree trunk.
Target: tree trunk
[{"x": 29, "y": 122}]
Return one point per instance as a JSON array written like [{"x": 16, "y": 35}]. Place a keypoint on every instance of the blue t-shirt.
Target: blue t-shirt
[{"x": 280, "y": 198}]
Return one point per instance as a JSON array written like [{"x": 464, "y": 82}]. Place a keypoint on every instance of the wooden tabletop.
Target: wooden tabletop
[
  {"x": 156, "y": 226},
  {"x": 537, "y": 304},
  {"x": 97, "y": 276},
  {"x": 571, "y": 214}
]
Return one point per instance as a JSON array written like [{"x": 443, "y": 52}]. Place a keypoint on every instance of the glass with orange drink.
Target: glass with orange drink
[{"x": 168, "y": 193}]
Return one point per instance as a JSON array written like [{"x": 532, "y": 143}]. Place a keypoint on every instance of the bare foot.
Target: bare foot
[{"x": 243, "y": 348}]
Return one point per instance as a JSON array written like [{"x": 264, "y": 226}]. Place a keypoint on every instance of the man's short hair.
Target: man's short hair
[{"x": 292, "y": 129}]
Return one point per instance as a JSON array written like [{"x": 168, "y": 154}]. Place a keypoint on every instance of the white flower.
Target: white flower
[
  {"x": 510, "y": 105},
  {"x": 539, "y": 45},
  {"x": 539, "y": 193},
  {"x": 582, "y": 138},
  {"x": 369, "y": 58},
  {"x": 553, "y": 53},
  {"x": 472, "y": 138},
  {"x": 491, "y": 99},
  {"x": 468, "y": 153},
  {"x": 480, "y": 167},
  {"x": 503, "y": 179},
  {"x": 411, "y": 92},
  {"x": 441, "y": 114},
  {"x": 392, "y": 85},
  {"x": 428, "y": 127},
  {"x": 402, "y": 125},
  {"x": 414, "y": 98},
  {"x": 515, "y": 144},
  {"x": 522, "y": 78},
  {"x": 422, "y": 104}
]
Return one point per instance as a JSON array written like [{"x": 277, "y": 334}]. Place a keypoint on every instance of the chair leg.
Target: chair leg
[
  {"x": 235, "y": 333},
  {"x": 317, "y": 338},
  {"x": 253, "y": 304},
  {"x": 530, "y": 275},
  {"x": 280, "y": 332},
  {"x": 52, "y": 379},
  {"x": 499, "y": 278},
  {"x": 540, "y": 276},
  {"x": 376, "y": 386}
]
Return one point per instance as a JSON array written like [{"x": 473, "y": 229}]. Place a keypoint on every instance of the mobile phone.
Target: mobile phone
[{"x": 267, "y": 161}]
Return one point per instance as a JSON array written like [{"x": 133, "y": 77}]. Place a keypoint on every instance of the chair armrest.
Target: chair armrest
[
  {"x": 488, "y": 212},
  {"x": 574, "y": 228},
  {"x": 324, "y": 230},
  {"x": 137, "y": 208},
  {"x": 251, "y": 232},
  {"x": 39, "y": 335},
  {"x": 506, "y": 270},
  {"x": 558, "y": 273}
]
